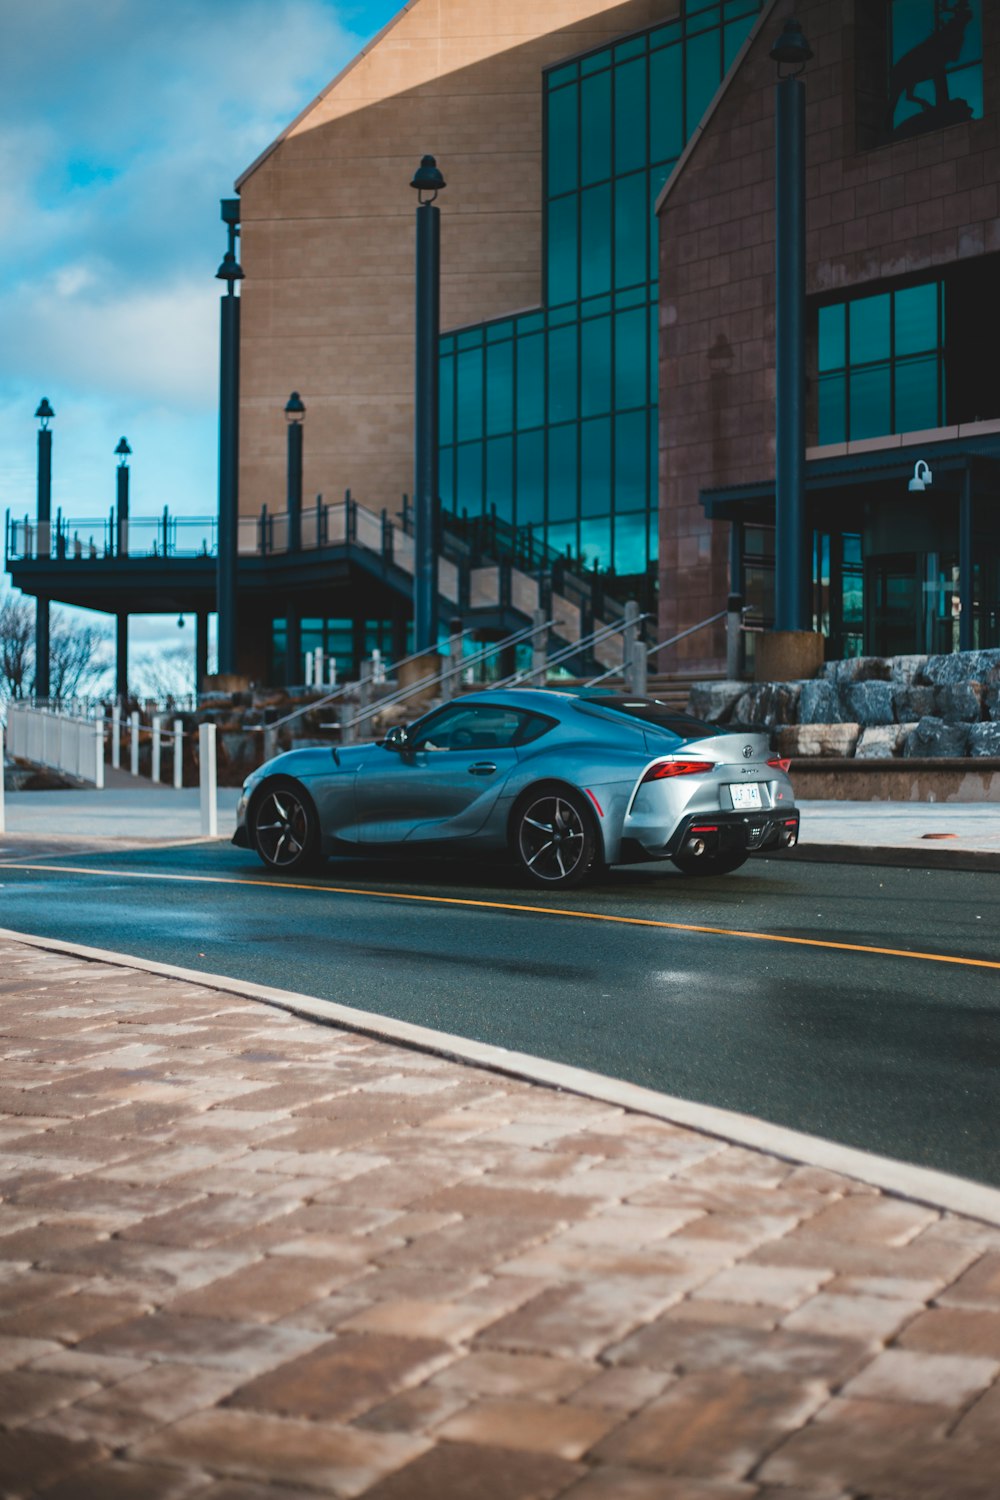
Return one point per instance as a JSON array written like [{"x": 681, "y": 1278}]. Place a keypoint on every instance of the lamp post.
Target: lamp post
[
  {"x": 230, "y": 272},
  {"x": 44, "y": 415},
  {"x": 295, "y": 415},
  {"x": 123, "y": 453},
  {"x": 428, "y": 182},
  {"x": 791, "y": 52}
]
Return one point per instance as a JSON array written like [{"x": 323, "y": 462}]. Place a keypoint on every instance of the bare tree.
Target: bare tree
[
  {"x": 167, "y": 675},
  {"x": 79, "y": 656},
  {"x": 17, "y": 646}
]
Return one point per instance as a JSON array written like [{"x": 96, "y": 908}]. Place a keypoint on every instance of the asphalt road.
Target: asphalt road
[{"x": 781, "y": 1011}]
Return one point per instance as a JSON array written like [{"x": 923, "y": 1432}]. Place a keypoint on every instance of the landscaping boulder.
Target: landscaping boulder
[
  {"x": 984, "y": 739},
  {"x": 818, "y": 739},
  {"x": 882, "y": 740},
  {"x": 857, "y": 669},
  {"x": 767, "y": 703},
  {"x": 958, "y": 702},
  {"x": 713, "y": 701},
  {"x": 819, "y": 702},
  {"x": 905, "y": 669},
  {"x": 869, "y": 702},
  {"x": 933, "y": 737},
  {"x": 960, "y": 666},
  {"x": 910, "y": 703}
]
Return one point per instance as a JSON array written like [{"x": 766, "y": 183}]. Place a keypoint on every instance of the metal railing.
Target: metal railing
[{"x": 58, "y": 741}]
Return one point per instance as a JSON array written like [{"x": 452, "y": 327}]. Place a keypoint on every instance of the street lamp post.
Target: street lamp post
[
  {"x": 790, "y": 51},
  {"x": 295, "y": 415},
  {"x": 230, "y": 272},
  {"x": 122, "y": 453},
  {"x": 44, "y": 414},
  {"x": 428, "y": 182}
]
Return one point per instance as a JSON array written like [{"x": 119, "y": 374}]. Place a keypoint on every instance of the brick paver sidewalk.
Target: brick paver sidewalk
[{"x": 245, "y": 1255}]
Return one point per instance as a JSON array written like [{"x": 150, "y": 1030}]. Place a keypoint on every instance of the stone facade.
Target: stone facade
[
  {"x": 328, "y": 234},
  {"x": 872, "y": 214}
]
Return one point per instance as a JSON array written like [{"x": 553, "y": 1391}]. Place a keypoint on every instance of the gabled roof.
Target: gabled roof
[
  {"x": 717, "y": 98},
  {"x": 355, "y": 60}
]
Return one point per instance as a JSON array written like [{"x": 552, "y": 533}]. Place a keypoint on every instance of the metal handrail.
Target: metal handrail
[
  {"x": 519, "y": 638},
  {"x": 585, "y": 643},
  {"x": 662, "y": 645},
  {"x": 338, "y": 692}
]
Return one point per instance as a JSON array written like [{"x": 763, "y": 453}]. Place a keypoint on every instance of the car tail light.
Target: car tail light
[
  {"x": 666, "y": 768},
  {"x": 780, "y": 764}
]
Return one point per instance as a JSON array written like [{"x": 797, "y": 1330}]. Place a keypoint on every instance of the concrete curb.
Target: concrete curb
[
  {"x": 937, "y": 1190},
  {"x": 893, "y": 856}
]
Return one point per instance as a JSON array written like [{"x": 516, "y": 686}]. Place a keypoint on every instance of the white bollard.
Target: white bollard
[
  {"x": 309, "y": 669},
  {"x": 207, "y": 781},
  {"x": 133, "y": 720},
  {"x": 99, "y": 752},
  {"x": 3, "y": 825},
  {"x": 318, "y": 667},
  {"x": 116, "y": 737},
  {"x": 157, "y": 736},
  {"x": 178, "y": 754}
]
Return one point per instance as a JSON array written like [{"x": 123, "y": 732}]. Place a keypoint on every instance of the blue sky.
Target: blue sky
[{"x": 122, "y": 124}]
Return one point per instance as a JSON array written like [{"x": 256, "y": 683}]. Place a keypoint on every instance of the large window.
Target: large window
[
  {"x": 919, "y": 66},
  {"x": 880, "y": 364},
  {"x": 564, "y": 400},
  {"x": 909, "y": 356}
]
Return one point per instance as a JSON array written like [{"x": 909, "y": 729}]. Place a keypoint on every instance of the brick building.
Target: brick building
[{"x": 607, "y": 358}]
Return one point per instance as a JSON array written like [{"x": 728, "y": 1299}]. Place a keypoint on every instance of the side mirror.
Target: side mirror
[{"x": 398, "y": 738}]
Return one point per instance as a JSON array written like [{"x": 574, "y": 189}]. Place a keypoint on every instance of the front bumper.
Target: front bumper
[{"x": 764, "y": 830}]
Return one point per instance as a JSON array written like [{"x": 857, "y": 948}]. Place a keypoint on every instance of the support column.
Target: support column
[
  {"x": 229, "y": 405},
  {"x": 121, "y": 659},
  {"x": 790, "y": 429},
  {"x": 42, "y": 648},
  {"x": 966, "y": 566},
  {"x": 200, "y": 650},
  {"x": 426, "y": 496}
]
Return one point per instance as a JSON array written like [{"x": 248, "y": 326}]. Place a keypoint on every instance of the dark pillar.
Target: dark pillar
[
  {"x": 42, "y": 648},
  {"x": 293, "y": 642},
  {"x": 294, "y": 414},
  {"x": 200, "y": 650},
  {"x": 43, "y": 546},
  {"x": 122, "y": 497},
  {"x": 121, "y": 659},
  {"x": 790, "y": 573},
  {"x": 229, "y": 402},
  {"x": 426, "y": 495},
  {"x": 966, "y": 574}
]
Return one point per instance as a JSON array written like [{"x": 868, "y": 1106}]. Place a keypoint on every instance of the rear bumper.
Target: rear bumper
[{"x": 743, "y": 832}]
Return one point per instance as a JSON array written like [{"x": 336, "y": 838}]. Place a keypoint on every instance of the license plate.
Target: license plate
[{"x": 745, "y": 796}]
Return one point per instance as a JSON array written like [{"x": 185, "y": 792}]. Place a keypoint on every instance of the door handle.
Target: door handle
[{"x": 482, "y": 768}]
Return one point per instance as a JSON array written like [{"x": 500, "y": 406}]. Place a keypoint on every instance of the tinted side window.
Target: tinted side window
[{"x": 470, "y": 727}]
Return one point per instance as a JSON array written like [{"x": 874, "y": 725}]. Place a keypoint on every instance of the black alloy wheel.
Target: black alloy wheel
[
  {"x": 554, "y": 838},
  {"x": 709, "y": 864},
  {"x": 285, "y": 828}
]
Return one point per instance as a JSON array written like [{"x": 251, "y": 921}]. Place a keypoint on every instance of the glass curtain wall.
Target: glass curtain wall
[{"x": 550, "y": 418}]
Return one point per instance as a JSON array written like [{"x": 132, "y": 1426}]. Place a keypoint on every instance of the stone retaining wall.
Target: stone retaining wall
[{"x": 872, "y": 707}]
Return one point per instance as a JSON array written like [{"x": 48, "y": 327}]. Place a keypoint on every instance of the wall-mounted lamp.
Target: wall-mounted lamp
[{"x": 922, "y": 477}]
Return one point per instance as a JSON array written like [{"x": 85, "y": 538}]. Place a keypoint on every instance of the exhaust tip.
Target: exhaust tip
[
  {"x": 696, "y": 847},
  {"x": 790, "y": 840}
]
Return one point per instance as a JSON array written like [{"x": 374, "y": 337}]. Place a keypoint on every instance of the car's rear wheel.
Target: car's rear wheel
[
  {"x": 285, "y": 828},
  {"x": 709, "y": 864},
  {"x": 554, "y": 839}
]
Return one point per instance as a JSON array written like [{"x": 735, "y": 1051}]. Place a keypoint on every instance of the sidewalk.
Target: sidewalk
[
  {"x": 911, "y": 832},
  {"x": 245, "y": 1255}
]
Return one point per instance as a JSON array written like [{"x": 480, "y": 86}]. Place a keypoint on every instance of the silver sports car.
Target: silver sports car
[{"x": 563, "y": 782}]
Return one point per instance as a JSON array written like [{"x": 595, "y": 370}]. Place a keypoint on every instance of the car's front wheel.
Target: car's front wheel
[
  {"x": 554, "y": 839},
  {"x": 285, "y": 828},
  {"x": 709, "y": 864}
]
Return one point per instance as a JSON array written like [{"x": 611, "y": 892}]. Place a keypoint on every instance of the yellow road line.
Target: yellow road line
[{"x": 545, "y": 911}]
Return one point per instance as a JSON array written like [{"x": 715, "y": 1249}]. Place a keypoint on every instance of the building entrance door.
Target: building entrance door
[{"x": 893, "y": 605}]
